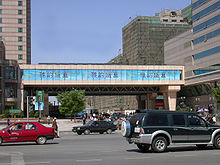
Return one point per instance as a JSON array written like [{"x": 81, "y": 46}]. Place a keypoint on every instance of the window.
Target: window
[
  {"x": 173, "y": 20},
  {"x": 165, "y": 20},
  {"x": 16, "y": 127},
  {"x": 195, "y": 121},
  {"x": 178, "y": 120},
  {"x": 0, "y": 29},
  {"x": 0, "y": 38},
  {"x": 0, "y": 11},
  {"x": 20, "y": 39},
  {"x": 20, "y": 30},
  {"x": 20, "y": 48},
  {"x": 0, "y": 20},
  {"x": 20, "y": 21},
  {"x": 30, "y": 126},
  {"x": 207, "y": 53},
  {"x": 19, "y": 3},
  {"x": 156, "y": 120},
  {"x": 20, "y": 56},
  {"x": 0, "y": 2},
  {"x": 20, "y": 12}
]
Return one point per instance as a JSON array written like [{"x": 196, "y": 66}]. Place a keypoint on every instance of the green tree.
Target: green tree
[
  {"x": 216, "y": 92},
  {"x": 71, "y": 102}
]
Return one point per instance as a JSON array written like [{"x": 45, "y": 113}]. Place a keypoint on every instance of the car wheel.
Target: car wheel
[
  {"x": 79, "y": 133},
  {"x": 143, "y": 147},
  {"x": 126, "y": 128},
  {"x": 1, "y": 141},
  {"x": 87, "y": 132},
  {"x": 159, "y": 144},
  {"x": 109, "y": 131},
  {"x": 41, "y": 140},
  {"x": 201, "y": 146},
  {"x": 217, "y": 141}
]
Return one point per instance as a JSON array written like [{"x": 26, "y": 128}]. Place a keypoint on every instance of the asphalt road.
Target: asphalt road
[{"x": 105, "y": 149}]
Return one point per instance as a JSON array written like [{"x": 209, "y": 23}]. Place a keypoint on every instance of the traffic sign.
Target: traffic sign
[
  {"x": 15, "y": 111},
  {"x": 40, "y": 96}
]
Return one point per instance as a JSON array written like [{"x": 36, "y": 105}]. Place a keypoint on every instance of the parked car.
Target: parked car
[
  {"x": 95, "y": 126},
  {"x": 159, "y": 129},
  {"x": 26, "y": 132}
]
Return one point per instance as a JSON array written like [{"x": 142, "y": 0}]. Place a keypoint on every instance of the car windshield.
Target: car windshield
[{"x": 89, "y": 123}]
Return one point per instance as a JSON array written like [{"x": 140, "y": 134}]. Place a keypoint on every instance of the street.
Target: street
[{"x": 96, "y": 149}]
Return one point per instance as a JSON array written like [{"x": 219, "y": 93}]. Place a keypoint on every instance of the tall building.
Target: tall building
[
  {"x": 15, "y": 29},
  {"x": 199, "y": 51},
  {"x": 143, "y": 38}
]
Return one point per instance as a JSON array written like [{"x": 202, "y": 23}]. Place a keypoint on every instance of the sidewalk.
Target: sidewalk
[{"x": 64, "y": 125}]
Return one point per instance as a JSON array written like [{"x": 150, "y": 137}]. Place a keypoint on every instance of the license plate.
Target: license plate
[{"x": 137, "y": 130}]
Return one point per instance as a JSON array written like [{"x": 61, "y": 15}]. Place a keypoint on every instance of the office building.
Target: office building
[
  {"x": 199, "y": 51},
  {"x": 143, "y": 38},
  {"x": 15, "y": 29}
]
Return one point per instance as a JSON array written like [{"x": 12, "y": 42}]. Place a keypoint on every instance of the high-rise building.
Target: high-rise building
[
  {"x": 143, "y": 38},
  {"x": 199, "y": 51},
  {"x": 15, "y": 29}
]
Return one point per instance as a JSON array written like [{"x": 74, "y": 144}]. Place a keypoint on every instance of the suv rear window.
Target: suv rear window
[{"x": 156, "y": 120}]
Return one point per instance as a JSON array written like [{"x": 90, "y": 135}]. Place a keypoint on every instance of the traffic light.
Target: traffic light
[{"x": 31, "y": 102}]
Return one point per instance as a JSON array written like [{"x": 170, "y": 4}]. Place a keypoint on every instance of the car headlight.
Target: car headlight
[{"x": 78, "y": 128}]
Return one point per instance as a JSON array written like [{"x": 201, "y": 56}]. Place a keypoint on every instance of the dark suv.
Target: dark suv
[
  {"x": 95, "y": 126},
  {"x": 158, "y": 129}
]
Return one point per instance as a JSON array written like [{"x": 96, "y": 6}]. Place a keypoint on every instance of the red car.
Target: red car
[{"x": 26, "y": 132}]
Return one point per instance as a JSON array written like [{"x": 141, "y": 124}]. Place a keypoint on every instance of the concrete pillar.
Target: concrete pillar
[
  {"x": 141, "y": 99},
  {"x": 169, "y": 94},
  {"x": 151, "y": 100},
  {"x": 46, "y": 104}
]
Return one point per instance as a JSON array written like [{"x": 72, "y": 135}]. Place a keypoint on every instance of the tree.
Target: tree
[
  {"x": 216, "y": 92},
  {"x": 71, "y": 102}
]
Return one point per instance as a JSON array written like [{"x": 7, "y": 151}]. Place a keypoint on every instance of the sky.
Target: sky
[{"x": 86, "y": 31}]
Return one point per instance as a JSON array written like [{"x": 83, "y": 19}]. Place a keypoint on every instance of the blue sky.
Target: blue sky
[{"x": 86, "y": 31}]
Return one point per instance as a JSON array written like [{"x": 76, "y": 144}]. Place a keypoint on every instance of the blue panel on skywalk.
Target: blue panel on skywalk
[{"x": 101, "y": 75}]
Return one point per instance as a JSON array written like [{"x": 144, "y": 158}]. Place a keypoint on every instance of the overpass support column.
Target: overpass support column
[
  {"x": 46, "y": 104},
  {"x": 169, "y": 94},
  {"x": 21, "y": 100}
]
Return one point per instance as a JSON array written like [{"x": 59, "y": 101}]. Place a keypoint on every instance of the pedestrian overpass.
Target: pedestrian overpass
[{"x": 103, "y": 79}]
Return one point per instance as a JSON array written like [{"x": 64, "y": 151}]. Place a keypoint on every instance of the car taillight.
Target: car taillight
[{"x": 141, "y": 131}]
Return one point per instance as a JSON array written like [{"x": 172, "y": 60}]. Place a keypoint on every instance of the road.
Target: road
[{"x": 96, "y": 149}]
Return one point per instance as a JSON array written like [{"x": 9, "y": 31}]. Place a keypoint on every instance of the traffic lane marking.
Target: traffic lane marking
[
  {"x": 38, "y": 162},
  {"x": 137, "y": 158},
  {"x": 90, "y": 160}
]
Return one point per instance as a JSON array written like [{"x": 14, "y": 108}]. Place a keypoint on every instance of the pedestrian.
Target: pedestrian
[
  {"x": 84, "y": 119},
  {"x": 8, "y": 121},
  {"x": 48, "y": 119},
  {"x": 55, "y": 126}
]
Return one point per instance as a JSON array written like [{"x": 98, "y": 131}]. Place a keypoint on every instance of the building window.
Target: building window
[
  {"x": 0, "y": 2},
  {"x": 20, "y": 39},
  {"x": 20, "y": 47},
  {"x": 20, "y": 30},
  {"x": 0, "y": 11},
  {"x": 19, "y": 3},
  {"x": 20, "y": 56},
  {"x": 0, "y": 29},
  {"x": 20, "y": 21},
  {"x": 174, "y": 20},
  {"x": 20, "y": 12},
  {"x": 0, "y": 20},
  {"x": 0, "y": 38}
]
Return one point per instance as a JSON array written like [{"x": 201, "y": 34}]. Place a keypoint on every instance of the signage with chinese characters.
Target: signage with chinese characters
[{"x": 101, "y": 75}]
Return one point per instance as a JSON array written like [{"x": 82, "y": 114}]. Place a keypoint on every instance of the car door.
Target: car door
[
  {"x": 199, "y": 131},
  {"x": 103, "y": 126},
  {"x": 14, "y": 133},
  {"x": 30, "y": 132},
  {"x": 179, "y": 130},
  {"x": 94, "y": 126}
]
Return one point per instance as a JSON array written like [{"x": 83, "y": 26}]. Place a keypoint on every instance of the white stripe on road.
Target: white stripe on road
[
  {"x": 37, "y": 162},
  {"x": 17, "y": 158},
  {"x": 90, "y": 160},
  {"x": 178, "y": 156},
  {"x": 136, "y": 158}
]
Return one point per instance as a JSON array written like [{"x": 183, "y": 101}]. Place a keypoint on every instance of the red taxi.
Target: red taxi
[{"x": 26, "y": 132}]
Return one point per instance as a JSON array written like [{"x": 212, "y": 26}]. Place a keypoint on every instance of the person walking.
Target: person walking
[
  {"x": 48, "y": 119},
  {"x": 8, "y": 121},
  {"x": 55, "y": 126},
  {"x": 84, "y": 119}
]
